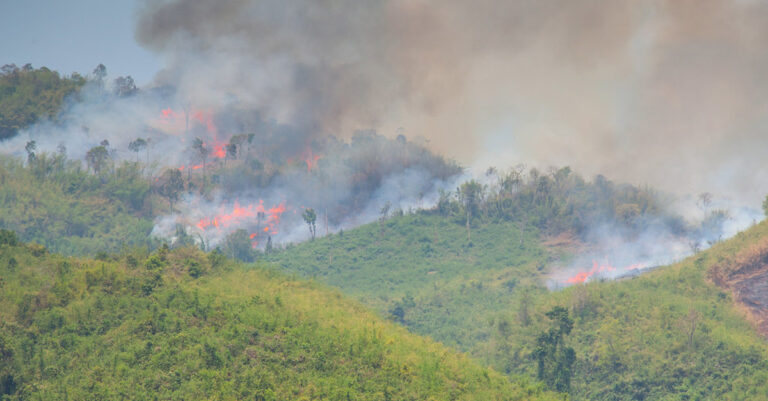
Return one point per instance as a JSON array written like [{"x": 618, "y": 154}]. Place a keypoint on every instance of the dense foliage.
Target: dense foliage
[
  {"x": 180, "y": 324},
  {"x": 419, "y": 269},
  {"x": 558, "y": 201},
  {"x": 28, "y": 95},
  {"x": 54, "y": 202},
  {"x": 185, "y": 325},
  {"x": 669, "y": 334}
]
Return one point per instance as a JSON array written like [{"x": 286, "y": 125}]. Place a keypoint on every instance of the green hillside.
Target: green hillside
[
  {"x": 446, "y": 272},
  {"x": 28, "y": 95},
  {"x": 186, "y": 325},
  {"x": 53, "y": 201},
  {"x": 669, "y": 334},
  {"x": 419, "y": 269}
]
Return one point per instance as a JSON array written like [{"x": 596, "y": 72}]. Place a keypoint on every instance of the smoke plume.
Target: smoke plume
[{"x": 670, "y": 93}]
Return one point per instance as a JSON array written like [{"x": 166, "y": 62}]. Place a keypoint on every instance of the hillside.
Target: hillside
[
  {"x": 671, "y": 333},
  {"x": 28, "y": 95},
  {"x": 54, "y": 202},
  {"x": 110, "y": 197},
  {"x": 418, "y": 269},
  {"x": 185, "y": 325}
]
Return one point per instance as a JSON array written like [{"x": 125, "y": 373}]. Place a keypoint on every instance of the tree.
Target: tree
[
  {"x": 384, "y": 212},
  {"x": 765, "y": 206},
  {"x": 8, "y": 237},
  {"x": 470, "y": 194},
  {"x": 96, "y": 158},
  {"x": 688, "y": 325},
  {"x": 29, "y": 95},
  {"x": 310, "y": 217},
  {"x": 703, "y": 201},
  {"x": 554, "y": 358},
  {"x": 713, "y": 226},
  {"x": 523, "y": 312},
  {"x": 202, "y": 152},
  {"x": 124, "y": 86},
  {"x": 137, "y": 146},
  {"x": 99, "y": 73},
  {"x": 231, "y": 151},
  {"x": 170, "y": 185},
  {"x": 149, "y": 144},
  {"x": 30, "y": 147},
  {"x": 237, "y": 142},
  {"x": 238, "y": 246}
]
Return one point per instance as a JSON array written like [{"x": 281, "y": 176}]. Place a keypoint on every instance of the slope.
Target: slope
[
  {"x": 28, "y": 95},
  {"x": 668, "y": 334},
  {"x": 420, "y": 270},
  {"x": 54, "y": 202},
  {"x": 180, "y": 324}
]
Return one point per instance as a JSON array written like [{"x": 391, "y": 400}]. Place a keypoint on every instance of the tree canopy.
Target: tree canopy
[{"x": 28, "y": 95}]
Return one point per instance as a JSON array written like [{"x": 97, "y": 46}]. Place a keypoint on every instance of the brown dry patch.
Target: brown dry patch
[
  {"x": 746, "y": 276},
  {"x": 564, "y": 241}
]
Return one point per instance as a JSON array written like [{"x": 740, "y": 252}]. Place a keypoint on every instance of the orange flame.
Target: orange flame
[
  {"x": 174, "y": 122},
  {"x": 310, "y": 158},
  {"x": 195, "y": 167},
  {"x": 582, "y": 277},
  {"x": 246, "y": 215},
  {"x": 218, "y": 150}
]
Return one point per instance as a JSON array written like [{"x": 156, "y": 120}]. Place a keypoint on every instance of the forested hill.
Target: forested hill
[
  {"x": 28, "y": 95},
  {"x": 668, "y": 334},
  {"x": 181, "y": 324}
]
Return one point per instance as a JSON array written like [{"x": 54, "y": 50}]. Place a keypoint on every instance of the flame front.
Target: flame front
[
  {"x": 583, "y": 276},
  {"x": 176, "y": 123},
  {"x": 265, "y": 220},
  {"x": 310, "y": 158}
]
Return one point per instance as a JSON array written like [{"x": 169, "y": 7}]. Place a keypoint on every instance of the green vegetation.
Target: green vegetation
[
  {"x": 185, "y": 325},
  {"x": 28, "y": 95},
  {"x": 669, "y": 334},
  {"x": 156, "y": 323},
  {"x": 553, "y": 358},
  {"x": 431, "y": 274},
  {"x": 55, "y": 203},
  {"x": 419, "y": 268},
  {"x": 558, "y": 201},
  {"x": 102, "y": 204}
]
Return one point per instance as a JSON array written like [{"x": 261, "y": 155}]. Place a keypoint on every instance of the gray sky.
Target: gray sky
[{"x": 74, "y": 36}]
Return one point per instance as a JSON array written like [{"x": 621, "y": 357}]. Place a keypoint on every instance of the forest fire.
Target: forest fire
[
  {"x": 597, "y": 269},
  {"x": 310, "y": 158},
  {"x": 178, "y": 123},
  {"x": 195, "y": 167},
  {"x": 265, "y": 220},
  {"x": 218, "y": 150}
]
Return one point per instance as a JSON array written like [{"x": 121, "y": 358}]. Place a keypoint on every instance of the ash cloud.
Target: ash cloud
[{"x": 670, "y": 93}]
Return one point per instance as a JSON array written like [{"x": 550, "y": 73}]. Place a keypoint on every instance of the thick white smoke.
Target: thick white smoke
[{"x": 669, "y": 93}]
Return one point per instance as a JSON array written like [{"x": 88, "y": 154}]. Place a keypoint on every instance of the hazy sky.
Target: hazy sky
[{"x": 74, "y": 36}]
